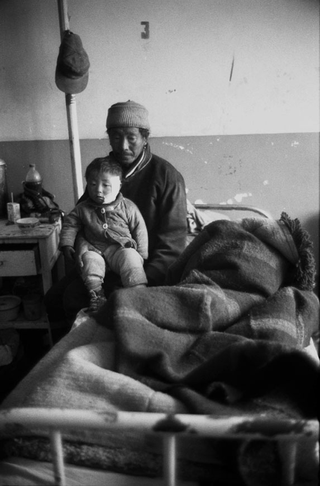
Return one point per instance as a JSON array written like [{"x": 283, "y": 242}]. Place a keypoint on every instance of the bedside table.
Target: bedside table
[{"x": 25, "y": 252}]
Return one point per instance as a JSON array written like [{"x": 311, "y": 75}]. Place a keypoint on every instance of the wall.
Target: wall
[{"x": 232, "y": 88}]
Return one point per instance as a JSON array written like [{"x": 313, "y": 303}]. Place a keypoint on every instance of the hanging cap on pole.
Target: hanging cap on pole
[{"x": 72, "y": 71}]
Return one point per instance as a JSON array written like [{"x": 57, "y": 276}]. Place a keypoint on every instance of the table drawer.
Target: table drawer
[{"x": 19, "y": 260}]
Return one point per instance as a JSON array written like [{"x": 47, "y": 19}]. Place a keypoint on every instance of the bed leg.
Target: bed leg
[
  {"x": 169, "y": 459},
  {"x": 57, "y": 458}
]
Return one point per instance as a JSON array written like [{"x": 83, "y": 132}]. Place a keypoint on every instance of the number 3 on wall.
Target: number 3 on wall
[{"x": 146, "y": 33}]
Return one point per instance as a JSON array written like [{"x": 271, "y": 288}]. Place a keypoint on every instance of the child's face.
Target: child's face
[{"x": 103, "y": 188}]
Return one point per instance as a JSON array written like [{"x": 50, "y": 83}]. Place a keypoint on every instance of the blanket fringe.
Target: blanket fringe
[{"x": 305, "y": 271}]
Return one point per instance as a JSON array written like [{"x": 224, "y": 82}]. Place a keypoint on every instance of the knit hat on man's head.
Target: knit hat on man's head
[{"x": 127, "y": 114}]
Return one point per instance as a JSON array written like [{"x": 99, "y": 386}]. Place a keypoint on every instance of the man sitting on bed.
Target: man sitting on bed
[{"x": 158, "y": 190}]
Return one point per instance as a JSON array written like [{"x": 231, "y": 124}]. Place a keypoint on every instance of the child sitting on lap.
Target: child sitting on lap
[{"x": 114, "y": 233}]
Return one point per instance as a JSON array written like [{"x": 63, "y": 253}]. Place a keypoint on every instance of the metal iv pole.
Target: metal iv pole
[{"x": 72, "y": 116}]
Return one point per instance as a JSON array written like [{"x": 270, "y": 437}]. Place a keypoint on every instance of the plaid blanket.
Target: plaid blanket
[
  {"x": 224, "y": 337},
  {"x": 233, "y": 322}
]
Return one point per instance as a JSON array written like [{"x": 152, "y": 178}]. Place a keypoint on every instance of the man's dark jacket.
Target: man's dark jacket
[{"x": 158, "y": 190}]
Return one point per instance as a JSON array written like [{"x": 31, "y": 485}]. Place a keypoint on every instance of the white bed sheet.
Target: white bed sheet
[{"x": 25, "y": 472}]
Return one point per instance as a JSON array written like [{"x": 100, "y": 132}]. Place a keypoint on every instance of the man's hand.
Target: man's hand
[{"x": 68, "y": 253}]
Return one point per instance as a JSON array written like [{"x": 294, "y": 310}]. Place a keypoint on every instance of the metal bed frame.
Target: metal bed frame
[
  {"x": 232, "y": 207},
  {"x": 169, "y": 428}
]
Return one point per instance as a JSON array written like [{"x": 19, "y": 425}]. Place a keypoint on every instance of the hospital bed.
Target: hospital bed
[{"x": 184, "y": 404}]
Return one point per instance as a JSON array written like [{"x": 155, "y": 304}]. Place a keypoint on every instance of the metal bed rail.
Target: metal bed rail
[
  {"x": 169, "y": 428},
  {"x": 232, "y": 207}
]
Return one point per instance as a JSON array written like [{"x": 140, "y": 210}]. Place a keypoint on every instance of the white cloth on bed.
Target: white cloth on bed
[{"x": 25, "y": 472}]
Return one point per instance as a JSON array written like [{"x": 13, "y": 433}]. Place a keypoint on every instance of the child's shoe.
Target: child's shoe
[{"x": 97, "y": 300}]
